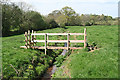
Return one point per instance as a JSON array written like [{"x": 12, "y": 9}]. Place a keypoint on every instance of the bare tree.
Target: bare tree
[{"x": 24, "y": 6}]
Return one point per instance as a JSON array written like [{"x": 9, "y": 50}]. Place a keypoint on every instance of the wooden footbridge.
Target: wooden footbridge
[{"x": 30, "y": 43}]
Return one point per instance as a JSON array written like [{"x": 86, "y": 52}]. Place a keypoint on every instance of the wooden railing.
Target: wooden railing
[{"x": 30, "y": 43}]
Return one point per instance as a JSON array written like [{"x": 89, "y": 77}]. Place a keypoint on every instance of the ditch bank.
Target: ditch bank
[
  {"x": 40, "y": 65},
  {"x": 58, "y": 61},
  {"x": 36, "y": 65}
]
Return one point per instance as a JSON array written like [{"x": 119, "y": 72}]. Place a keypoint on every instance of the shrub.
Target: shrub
[
  {"x": 40, "y": 69},
  {"x": 62, "y": 25},
  {"x": 59, "y": 60},
  {"x": 87, "y": 24}
]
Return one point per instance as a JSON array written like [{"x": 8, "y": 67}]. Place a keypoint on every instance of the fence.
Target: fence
[{"x": 30, "y": 43}]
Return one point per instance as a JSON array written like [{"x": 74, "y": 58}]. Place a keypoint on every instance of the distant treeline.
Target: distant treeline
[{"x": 18, "y": 18}]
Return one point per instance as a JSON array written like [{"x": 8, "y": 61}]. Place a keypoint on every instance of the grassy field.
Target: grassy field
[
  {"x": 80, "y": 64},
  {"x": 102, "y": 63},
  {"x": 21, "y": 59},
  {"x": 27, "y": 62}
]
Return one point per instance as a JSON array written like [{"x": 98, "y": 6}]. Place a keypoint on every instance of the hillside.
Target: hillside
[{"x": 102, "y": 63}]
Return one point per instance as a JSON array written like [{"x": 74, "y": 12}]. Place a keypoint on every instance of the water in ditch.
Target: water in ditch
[{"x": 51, "y": 70}]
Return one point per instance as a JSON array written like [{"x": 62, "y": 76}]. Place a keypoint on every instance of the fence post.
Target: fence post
[
  {"x": 29, "y": 41},
  {"x": 26, "y": 40},
  {"x": 47, "y": 39},
  {"x": 68, "y": 42},
  {"x": 85, "y": 38},
  {"x": 34, "y": 38},
  {"x": 45, "y": 44}
]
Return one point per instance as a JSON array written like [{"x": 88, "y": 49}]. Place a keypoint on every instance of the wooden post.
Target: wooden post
[
  {"x": 47, "y": 39},
  {"x": 85, "y": 38},
  {"x": 45, "y": 44},
  {"x": 26, "y": 40},
  {"x": 68, "y": 42},
  {"x": 29, "y": 41},
  {"x": 34, "y": 38}
]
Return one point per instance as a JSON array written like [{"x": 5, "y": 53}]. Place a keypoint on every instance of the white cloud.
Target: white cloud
[
  {"x": 108, "y": 7},
  {"x": 50, "y": 1}
]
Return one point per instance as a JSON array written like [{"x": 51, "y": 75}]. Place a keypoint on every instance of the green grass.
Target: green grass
[
  {"x": 102, "y": 63},
  {"x": 22, "y": 58},
  {"x": 80, "y": 64}
]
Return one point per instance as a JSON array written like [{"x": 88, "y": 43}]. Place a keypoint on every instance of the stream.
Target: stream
[{"x": 51, "y": 70}]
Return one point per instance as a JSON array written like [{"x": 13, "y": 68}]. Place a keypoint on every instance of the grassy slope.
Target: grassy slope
[
  {"x": 104, "y": 60},
  {"x": 101, "y": 63},
  {"x": 12, "y": 54}
]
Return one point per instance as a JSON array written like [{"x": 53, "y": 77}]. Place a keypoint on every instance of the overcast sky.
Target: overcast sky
[{"x": 107, "y": 7}]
